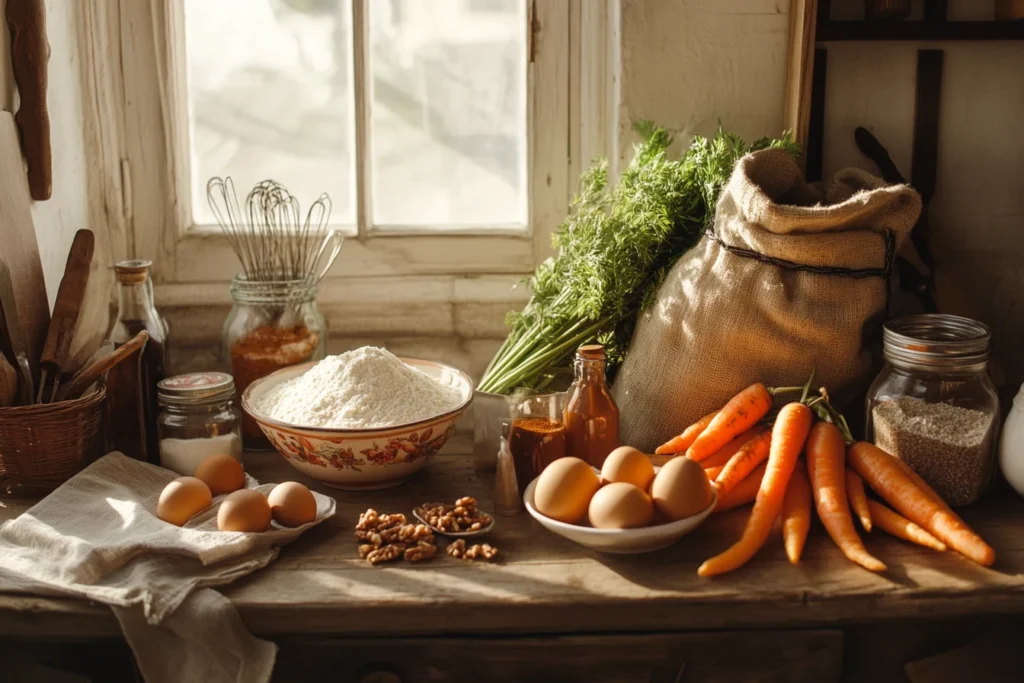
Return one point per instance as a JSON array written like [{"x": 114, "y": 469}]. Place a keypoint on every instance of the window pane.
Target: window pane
[
  {"x": 270, "y": 96},
  {"x": 448, "y": 128}
]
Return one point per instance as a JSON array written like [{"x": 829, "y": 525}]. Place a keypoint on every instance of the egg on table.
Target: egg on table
[
  {"x": 244, "y": 510},
  {"x": 564, "y": 489},
  {"x": 681, "y": 489},
  {"x": 629, "y": 465},
  {"x": 292, "y": 504},
  {"x": 620, "y": 505},
  {"x": 182, "y": 499},
  {"x": 222, "y": 473}
]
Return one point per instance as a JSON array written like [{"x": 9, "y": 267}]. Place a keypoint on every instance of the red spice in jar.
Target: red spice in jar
[
  {"x": 535, "y": 442},
  {"x": 265, "y": 350}
]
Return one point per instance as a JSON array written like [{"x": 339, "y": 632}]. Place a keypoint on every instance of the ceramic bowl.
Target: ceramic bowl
[
  {"x": 360, "y": 459},
  {"x": 620, "y": 541}
]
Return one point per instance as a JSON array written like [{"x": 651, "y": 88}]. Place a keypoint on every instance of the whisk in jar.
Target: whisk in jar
[{"x": 269, "y": 234}]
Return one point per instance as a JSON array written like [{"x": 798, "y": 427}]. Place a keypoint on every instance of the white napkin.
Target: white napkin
[{"x": 98, "y": 537}]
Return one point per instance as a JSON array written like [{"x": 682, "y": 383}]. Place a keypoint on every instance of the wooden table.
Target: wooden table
[{"x": 564, "y": 603}]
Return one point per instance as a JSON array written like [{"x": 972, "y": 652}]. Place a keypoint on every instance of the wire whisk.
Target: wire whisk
[{"x": 272, "y": 239}]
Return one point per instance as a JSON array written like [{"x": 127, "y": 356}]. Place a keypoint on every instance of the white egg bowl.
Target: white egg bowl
[{"x": 620, "y": 541}]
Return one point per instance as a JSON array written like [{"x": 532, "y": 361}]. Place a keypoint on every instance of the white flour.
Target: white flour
[{"x": 367, "y": 387}]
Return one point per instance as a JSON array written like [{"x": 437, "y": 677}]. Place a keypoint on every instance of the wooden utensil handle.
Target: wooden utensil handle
[
  {"x": 30, "y": 53},
  {"x": 92, "y": 373},
  {"x": 68, "y": 304}
]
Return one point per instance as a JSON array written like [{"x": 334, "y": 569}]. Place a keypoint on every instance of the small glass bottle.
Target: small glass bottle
[
  {"x": 591, "y": 416},
  {"x": 131, "y": 384},
  {"x": 198, "y": 418}
]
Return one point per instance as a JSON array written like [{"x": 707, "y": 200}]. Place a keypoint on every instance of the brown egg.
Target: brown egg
[
  {"x": 222, "y": 473},
  {"x": 628, "y": 464},
  {"x": 564, "y": 489},
  {"x": 244, "y": 510},
  {"x": 680, "y": 489},
  {"x": 182, "y": 499},
  {"x": 292, "y": 504},
  {"x": 620, "y": 505}
]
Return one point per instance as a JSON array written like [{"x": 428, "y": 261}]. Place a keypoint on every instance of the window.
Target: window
[
  {"x": 273, "y": 89},
  {"x": 448, "y": 134}
]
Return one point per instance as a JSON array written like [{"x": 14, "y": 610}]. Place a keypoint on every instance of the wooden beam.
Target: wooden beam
[
  {"x": 815, "y": 149},
  {"x": 802, "y": 29},
  {"x": 920, "y": 30}
]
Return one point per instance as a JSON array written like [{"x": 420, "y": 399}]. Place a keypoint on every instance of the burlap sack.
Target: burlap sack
[{"x": 788, "y": 280}]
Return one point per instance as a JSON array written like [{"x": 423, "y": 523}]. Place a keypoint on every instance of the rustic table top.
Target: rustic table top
[{"x": 544, "y": 583}]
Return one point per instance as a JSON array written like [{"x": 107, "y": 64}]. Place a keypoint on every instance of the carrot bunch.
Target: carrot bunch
[{"x": 785, "y": 464}]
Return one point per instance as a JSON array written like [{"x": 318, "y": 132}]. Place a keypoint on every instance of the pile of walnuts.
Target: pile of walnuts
[
  {"x": 390, "y": 537},
  {"x": 463, "y": 516}
]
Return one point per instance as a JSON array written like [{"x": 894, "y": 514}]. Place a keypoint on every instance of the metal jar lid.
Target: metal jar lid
[
  {"x": 196, "y": 388},
  {"x": 936, "y": 341}
]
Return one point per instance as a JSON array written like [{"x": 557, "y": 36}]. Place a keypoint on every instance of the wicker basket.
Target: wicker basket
[{"x": 42, "y": 446}]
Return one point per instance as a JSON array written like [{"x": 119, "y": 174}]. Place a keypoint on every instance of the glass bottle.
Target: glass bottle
[
  {"x": 591, "y": 416},
  {"x": 272, "y": 325},
  {"x": 933, "y": 404},
  {"x": 131, "y": 384}
]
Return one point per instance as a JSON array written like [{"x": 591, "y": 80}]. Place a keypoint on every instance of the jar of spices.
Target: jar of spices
[
  {"x": 934, "y": 406},
  {"x": 591, "y": 416},
  {"x": 198, "y": 418},
  {"x": 272, "y": 325}
]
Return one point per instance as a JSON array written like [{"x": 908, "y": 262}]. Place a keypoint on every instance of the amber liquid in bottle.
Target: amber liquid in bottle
[
  {"x": 535, "y": 442},
  {"x": 591, "y": 416},
  {"x": 131, "y": 384}
]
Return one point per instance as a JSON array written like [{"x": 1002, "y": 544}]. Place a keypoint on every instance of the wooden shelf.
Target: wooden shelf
[{"x": 833, "y": 31}]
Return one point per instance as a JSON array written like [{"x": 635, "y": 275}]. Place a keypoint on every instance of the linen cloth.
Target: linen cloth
[
  {"x": 98, "y": 537},
  {"x": 790, "y": 278}
]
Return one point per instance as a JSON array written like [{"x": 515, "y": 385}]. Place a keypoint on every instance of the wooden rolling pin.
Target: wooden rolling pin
[{"x": 92, "y": 372}]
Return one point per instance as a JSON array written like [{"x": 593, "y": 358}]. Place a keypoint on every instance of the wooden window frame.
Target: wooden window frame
[{"x": 137, "y": 102}]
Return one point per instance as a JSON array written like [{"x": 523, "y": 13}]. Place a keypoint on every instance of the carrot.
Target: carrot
[
  {"x": 796, "y": 514},
  {"x": 744, "y": 492},
  {"x": 858, "y": 498},
  {"x": 788, "y": 436},
  {"x": 880, "y": 471},
  {"x": 926, "y": 489},
  {"x": 749, "y": 456},
  {"x": 723, "y": 454},
  {"x": 901, "y": 527},
  {"x": 678, "y": 444},
  {"x": 740, "y": 414},
  {"x": 825, "y": 456},
  {"x": 713, "y": 472}
]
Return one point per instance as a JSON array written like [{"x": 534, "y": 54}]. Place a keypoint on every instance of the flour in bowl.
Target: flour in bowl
[{"x": 367, "y": 387}]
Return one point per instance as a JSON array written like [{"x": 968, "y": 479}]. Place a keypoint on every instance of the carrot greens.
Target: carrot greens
[{"x": 613, "y": 251}]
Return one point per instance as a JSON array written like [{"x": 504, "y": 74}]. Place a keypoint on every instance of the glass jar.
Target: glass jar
[
  {"x": 272, "y": 325},
  {"x": 198, "y": 418},
  {"x": 591, "y": 416},
  {"x": 536, "y": 436},
  {"x": 934, "y": 406}
]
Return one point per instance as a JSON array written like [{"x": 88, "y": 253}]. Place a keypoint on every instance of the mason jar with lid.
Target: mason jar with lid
[
  {"x": 198, "y": 418},
  {"x": 272, "y": 325},
  {"x": 934, "y": 405}
]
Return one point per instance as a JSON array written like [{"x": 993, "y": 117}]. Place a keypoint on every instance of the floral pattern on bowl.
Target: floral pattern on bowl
[{"x": 360, "y": 459}]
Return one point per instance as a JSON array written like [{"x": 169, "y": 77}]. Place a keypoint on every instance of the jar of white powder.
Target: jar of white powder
[{"x": 198, "y": 418}]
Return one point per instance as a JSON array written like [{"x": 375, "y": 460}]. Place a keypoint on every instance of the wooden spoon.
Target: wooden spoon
[
  {"x": 8, "y": 383},
  {"x": 92, "y": 372}
]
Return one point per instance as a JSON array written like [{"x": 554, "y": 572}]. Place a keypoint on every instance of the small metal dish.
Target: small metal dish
[{"x": 420, "y": 514}]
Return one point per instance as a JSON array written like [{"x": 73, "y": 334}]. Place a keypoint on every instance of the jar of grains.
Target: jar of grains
[
  {"x": 934, "y": 406},
  {"x": 272, "y": 325},
  {"x": 198, "y": 418}
]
